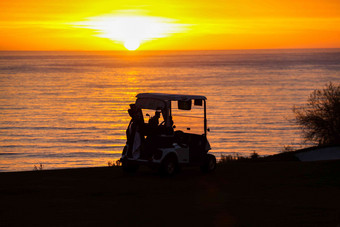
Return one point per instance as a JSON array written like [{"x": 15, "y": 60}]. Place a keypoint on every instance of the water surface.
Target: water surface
[{"x": 69, "y": 109}]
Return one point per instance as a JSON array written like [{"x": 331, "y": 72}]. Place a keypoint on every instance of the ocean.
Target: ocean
[{"x": 69, "y": 109}]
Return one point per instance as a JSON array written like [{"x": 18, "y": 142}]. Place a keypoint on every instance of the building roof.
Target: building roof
[{"x": 170, "y": 97}]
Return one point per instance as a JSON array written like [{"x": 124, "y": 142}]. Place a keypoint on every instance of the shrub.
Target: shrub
[
  {"x": 228, "y": 158},
  {"x": 225, "y": 159},
  {"x": 38, "y": 168},
  {"x": 112, "y": 164},
  {"x": 254, "y": 155},
  {"x": 319, "y": 119},
  {"x": 287, "y": 148}
]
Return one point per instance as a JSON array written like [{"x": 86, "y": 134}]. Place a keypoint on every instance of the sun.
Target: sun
[
  {"x": 131, "y": 29},
  {"x": 131, "y": 44}
]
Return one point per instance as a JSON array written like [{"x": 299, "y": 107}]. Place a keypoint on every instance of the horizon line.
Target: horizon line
[{"x": 136, "y": 51}]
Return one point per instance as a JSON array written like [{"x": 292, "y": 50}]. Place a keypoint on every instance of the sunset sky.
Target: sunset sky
[{"x": 168, "y": 24}]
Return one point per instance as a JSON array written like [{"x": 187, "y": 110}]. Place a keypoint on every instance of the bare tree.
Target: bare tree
[{"x": 319, "y": 119}]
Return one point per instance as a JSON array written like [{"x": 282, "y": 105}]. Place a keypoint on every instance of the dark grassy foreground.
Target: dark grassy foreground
[{"x": 237, "y": 194}]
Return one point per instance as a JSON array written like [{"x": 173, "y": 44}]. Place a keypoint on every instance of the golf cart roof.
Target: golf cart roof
[{"x": 170, "y": 97}]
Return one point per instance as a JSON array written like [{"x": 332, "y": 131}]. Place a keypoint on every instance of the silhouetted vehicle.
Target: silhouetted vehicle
[{"x": 167, "y": 131}]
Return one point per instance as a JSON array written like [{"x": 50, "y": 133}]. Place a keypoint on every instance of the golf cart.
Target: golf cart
[{"x": 161, "y": 133}]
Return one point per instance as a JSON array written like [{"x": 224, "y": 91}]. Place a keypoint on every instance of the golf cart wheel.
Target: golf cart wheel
[
  {"x": 129, "y": 167},
  {"x": 169, "y": 166},
  {"x": 209, "y": 164}
]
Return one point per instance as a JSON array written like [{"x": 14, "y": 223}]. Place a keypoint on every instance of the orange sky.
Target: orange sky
[{"x": 206, "y": 25}]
